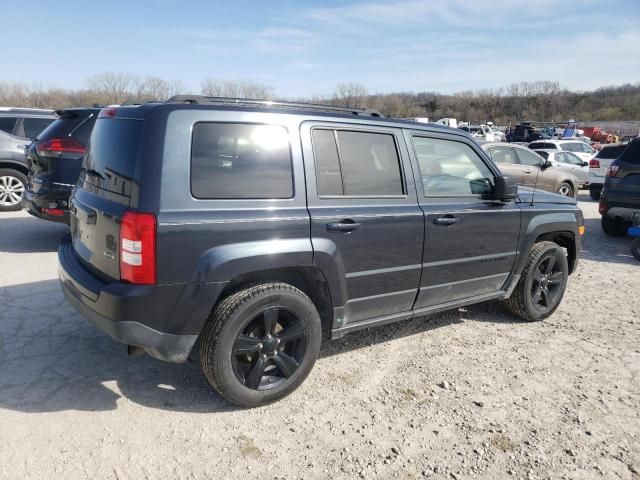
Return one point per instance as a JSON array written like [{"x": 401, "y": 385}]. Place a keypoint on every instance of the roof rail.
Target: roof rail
[
  {"x": 203, "y": 100},
  {"x": 25, "y": 110}
]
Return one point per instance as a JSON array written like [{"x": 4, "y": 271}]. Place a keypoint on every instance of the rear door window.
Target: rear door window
[
  {"x": 355, "y": 163},
  {"x": 33, "y": 126},
  {"x": 7, "y": 124},
  {"x": 242, "y": 161}
]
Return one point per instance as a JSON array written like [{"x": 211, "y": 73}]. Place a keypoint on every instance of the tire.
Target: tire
[
  {"x": 528, "y": 297},
  {"x": 594, "y": 193},
  {"x": 613, "y": 227},
  {"x": 635, "y": 248},
  {"x": 244, "y": 355},
  {"x": 13, "y": 183},
  {"x": 566, "y": 190}
]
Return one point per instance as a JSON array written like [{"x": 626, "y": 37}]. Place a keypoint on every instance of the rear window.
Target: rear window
[
  {"x": 113, "y": 148},
  {"x": 7, "y": 124},
  {"x": 78, "y": 127},
  {"x": 542, "y": 146},
  {"x": 611, "y": 152},
  {"x": 632, "y": 153},
  {"x": 33, "y": 126},
  {"x": 572, "y": 147},
  {"x": 234, "y": 160}
]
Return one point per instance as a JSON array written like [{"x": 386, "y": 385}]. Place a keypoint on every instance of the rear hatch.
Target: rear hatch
[
  {"x": 107, "y": 187},
  {"x": 56, "y": 155},
  {"x": 599, "y": 164}
]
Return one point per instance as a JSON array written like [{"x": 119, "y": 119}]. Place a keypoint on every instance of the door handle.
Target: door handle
[
  {"x": 446, "y": 221},
  {"x": 527, "y": 170},
  {"x": 345, "y": 226}
]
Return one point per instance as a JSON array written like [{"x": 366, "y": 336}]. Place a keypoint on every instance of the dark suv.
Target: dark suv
[
  {"x": 55, "y": 159},
  {"x": 252, "y": 227},
  {"x": 17, "y": 127},
  {"x": 621, "y": 195}
]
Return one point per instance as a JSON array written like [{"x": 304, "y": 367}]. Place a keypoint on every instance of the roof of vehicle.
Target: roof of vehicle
[
  {"x": 290, "y": 108},
  {"x": 486, "y": 145},
  {"x": 25, "y": 111},
  {"x": 557, "y": 142},
  {"x": 75, "y": 111}
]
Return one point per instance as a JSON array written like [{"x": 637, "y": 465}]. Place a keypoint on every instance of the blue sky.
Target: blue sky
[{"x": 303, "y": 48}]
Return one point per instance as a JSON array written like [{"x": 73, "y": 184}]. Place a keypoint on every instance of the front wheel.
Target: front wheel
[
  {"x": 565, "y": 189},
  {"x": 12, "y": 185},
  {"x": 542, "y": 283},
  {"x": 261, "y": 343}
]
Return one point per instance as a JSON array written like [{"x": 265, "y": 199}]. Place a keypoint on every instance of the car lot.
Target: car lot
[{"x": 468, "y": 392}]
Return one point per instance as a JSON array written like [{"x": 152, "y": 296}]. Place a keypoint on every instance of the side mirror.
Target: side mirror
[
  {"x": 505, "y": 189},
  {"x": 545, "y": 164},
  {"x": 585, "y": 163}
]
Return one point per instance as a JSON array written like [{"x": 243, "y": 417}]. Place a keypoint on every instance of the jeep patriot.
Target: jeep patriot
[{"x": 254, "y": 228}]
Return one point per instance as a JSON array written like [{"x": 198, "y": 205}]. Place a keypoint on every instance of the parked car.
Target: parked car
[
  {"x": 620, "y": 197},
  {"x": 524, "y": 132},
  {"x": 599, "y": 164},
  {"x": 17, "y": 127},
  {"x": 531, "y": 170},
  {"x": 569, "y": 162},
  {"x": 578, "y": 147},
  {"x": 55, "y": 159},
  {"x": 482, "y": 133},
  {"x": 197, "y": 219}
]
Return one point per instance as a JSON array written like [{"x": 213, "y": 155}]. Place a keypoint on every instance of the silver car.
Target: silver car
[
  {"x": 17, "y": 127},
  {"x": 530, "y": 169},
  {"x": 568, "y": 161}
]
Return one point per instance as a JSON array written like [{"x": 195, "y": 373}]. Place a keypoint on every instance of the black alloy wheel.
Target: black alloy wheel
[
  {"x": 269, "y": 349},
  {"x": 260, "y": 343},
  {"x": 546, "y": 287}
]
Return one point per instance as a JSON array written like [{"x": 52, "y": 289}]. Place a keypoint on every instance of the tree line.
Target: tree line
[{"x": 538, "y": 101}]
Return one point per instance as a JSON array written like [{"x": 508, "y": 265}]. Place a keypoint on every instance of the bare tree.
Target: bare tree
[
  {"x": 111, "y": 87},
  {"x": 350, "y": 94},
  {"x": 236, "y": 89}
]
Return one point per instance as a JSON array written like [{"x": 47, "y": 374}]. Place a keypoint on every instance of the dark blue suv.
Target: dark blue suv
[{"x": 253, "y": 227}]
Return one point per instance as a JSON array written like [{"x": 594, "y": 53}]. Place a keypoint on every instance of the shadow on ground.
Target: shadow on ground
[
  {"x": 53, "y": 360},
  {"x": 30, "y": 234}
]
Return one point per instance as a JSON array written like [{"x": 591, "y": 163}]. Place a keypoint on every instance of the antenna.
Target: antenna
[{"x": 535, "y": 185}]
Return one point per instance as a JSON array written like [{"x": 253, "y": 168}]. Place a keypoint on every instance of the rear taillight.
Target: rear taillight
[
  {"x": 594, "y": 163},
  {"x": 55, "y": 212},
  {"x": 56, "y": 146},
  {"x": 612, "y": 170},
  {"x": 602, "y": 207},
  {"x": 138, "y": 248}
]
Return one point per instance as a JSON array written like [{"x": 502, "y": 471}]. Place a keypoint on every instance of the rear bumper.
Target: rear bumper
[
  {"x": 34, "y": 203},
  {"x": 164, "y": 320}
]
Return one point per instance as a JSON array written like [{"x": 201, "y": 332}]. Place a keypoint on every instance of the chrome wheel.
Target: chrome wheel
[
  {"x": 565, "y": 190},
  {"x": 11, "y": 190}
]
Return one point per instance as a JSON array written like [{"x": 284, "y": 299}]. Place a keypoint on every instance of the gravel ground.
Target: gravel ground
[{"x": 469, "y": 393}]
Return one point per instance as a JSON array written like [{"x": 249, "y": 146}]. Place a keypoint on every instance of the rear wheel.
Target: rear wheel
[
  {"x": 261, "y": 343},
  {"x": 613, "y": 227},
  {"x": 12, "y": 185},
  {"x": 565, "y": 189},
  {"x": 594, "y": 192},
  {"x": 542, "y": 283}
]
